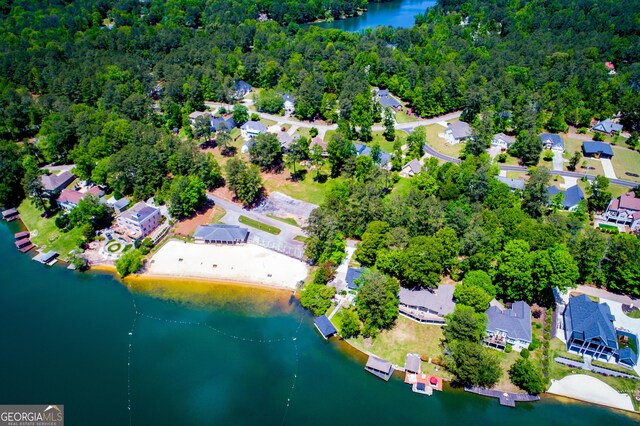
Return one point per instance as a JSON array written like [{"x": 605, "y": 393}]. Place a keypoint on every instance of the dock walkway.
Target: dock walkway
[{"x": 508, "y": 399}]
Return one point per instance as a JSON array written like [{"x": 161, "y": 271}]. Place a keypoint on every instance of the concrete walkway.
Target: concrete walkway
[
  {"x": 558, "y": 161},
  {"x": 590, "y": 389},
  {"x": 608, "y": 168}
]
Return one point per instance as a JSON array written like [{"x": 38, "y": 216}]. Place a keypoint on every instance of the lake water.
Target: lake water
[
  {"x": 399, "y": 14},
  {"x": 206, "y": 354}
]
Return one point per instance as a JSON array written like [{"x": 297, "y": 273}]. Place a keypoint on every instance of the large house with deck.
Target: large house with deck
[
  {"x": 625, "y": 210},
  {"x": 509, "y": 326},
  {"x": 140, "y": 220},
  {"x": 425, "y": 305},
  {"x": 251, "y": 129}
]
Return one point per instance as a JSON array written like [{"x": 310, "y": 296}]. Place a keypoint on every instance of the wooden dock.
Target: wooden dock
[{"x": 507, "y": 399}]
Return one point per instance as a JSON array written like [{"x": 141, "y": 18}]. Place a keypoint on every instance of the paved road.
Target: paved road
[
  {"x": 285, "y": 240},
  {"x": 407, "y": 127},
  {"x": 576, "y": 175},
  {"x": 604, "y": 294}
]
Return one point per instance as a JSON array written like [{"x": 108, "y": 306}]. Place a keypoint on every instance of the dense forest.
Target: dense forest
[{"x": 104, "y": 85}]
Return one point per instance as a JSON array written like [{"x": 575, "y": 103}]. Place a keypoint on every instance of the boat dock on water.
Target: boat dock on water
[
  {"x": 47, "y": 258},
  {"x": 10, "y": 215},
  {"x": 420, "y": 382},
  {"x": 379, "y": 368},
  {"x": 507, "y": 399}
]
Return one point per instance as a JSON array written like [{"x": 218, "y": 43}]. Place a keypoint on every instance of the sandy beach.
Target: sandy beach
[
  {"x": 246, "y": 263},
  {"x": 589, "y": 389}
]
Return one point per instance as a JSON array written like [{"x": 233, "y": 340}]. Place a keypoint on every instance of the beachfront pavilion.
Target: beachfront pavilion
[{"x": 221, "y": 234}]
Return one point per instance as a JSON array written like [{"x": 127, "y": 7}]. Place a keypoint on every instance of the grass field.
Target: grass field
[
  {"x": 288, "y": 220},
  {"x": 218, "y": 213},
  {"x": 626, "y": 160},
  {"x": 46, "y": 235},
  {"x": 300, "y": 238},
  {"x": 267, "y": 122},
  {"x": 303, "y": 132},
  {"x": 402, "y": 187},
  {"x": 306, "y": 189},
  {"x": 385, "y": 144},
  {"x": 402, "y": 117},
  {"x": 259, "y": 225},
  {"x": 406, "y": 337}
]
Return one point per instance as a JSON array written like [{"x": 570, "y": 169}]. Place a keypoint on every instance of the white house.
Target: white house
[
  {"x": 457, "y": 132},
  {"x": 412, "y": 168},
  {"x": 289, "y": 103},
  {"x": 552, "y": 141},
  {"x": 502, "y": 141},
  {"x": 140, "y": 220},
  {"x": 252, "y": 129}
]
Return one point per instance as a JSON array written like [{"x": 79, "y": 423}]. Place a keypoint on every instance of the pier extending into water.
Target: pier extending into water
[{"x": 508, "y": 399}]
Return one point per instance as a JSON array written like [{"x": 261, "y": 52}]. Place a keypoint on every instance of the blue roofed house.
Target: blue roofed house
[
  {"x": 362, "y": 149},
  {"x": 597, "y": 149},
  {"x": 220, "y": 123},
  {"x": 589, "y": 328},
  {"x": 241, "y": 88},
  {"x": 509, "y": 326},
  {"x": 352, "y": 275},
  {"x": 552, "y": 141},
  {"x": 608, "y": 127},
  {"x": 289, "y": 103},
  {"x": 572, "y": 196},
  {"x": 387, "y": 100}
]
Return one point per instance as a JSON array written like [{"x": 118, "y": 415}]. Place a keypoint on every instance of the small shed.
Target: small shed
[
  {"x": 21, "y": 235},
  {"x": 324, "y": 326}
]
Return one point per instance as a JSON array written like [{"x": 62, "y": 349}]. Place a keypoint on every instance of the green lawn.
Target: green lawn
[
  {"x": 267, "y": 122},
  {"x": 306, "y": 190},
  {"x": 406, "y": 337},
  {"x": 440, "y": 144},
  {"x": 385, "y": 144},
  {"x": 328, "y": 135},
  {"x": 46, "y": 235},
  {"x": 303, "y": 132},
  {"x": 288, "y": 220},
  {"x": 626, "y": 160},
  {"x": 218, "y": 213},
  {"x": 258, "y": 225},
  {"x": 300, "y": 238},
  {"x": 235, "y": 132},
  {"x": 403, "y": 187},
  {"x": 634, "y": 314},
  {"x": 402, "y": 117}
]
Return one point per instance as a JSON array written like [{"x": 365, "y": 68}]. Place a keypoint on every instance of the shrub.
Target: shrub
[
  {"x": 508, "y": 348},
  {"x": 548, "y": 155},
  {"x": 535, "y": 344},
  {"x": 525, "y": 353},
  {"x": 538, "y": 325},
  {"x": 547, "y": 328},
  {"x": 547, "y": 336},
  {"x": 129, "y": 263},
  {"x": 598, "y": 137},
  {"x": 502, "y": 158}
]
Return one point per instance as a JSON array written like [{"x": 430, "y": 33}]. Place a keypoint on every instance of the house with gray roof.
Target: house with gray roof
[
  {"x": 502, "y": 141},
  {"x": 197, "y": 114},
  {"x": 589, "y": 329},
  {"x": 55, "y": 183},
  {"x": 572, "y": 196},
  {"x": 252, "y": 129},
  {"x": 457, "y": 132},
  {"x": 513, "y": 184},
  {"x": 552, "y": 141},
  {"x": 412, "y": 363},
  {"x": 139, "y": 221},
  {"x": 426, "y": 305},
  {"x": 597, "y": 149},
  {"x": 509, "y": 326},
  {"x": 379, "y": 367},
  {"x": 387, "y": 100},
  {"x": 412, "y": 168},
  {"x": 220, "y": 234},
  {"x": 608, "y": 127},
  {"x": 241, "y": 89}
]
